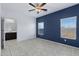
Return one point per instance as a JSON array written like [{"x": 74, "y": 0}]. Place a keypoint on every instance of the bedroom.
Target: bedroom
[{"x": 38, "y": 33}]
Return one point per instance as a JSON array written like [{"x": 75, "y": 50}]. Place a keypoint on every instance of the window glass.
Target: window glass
[
  {"x": 41, "y": 28},
  {"x": 68, "y": 27}
]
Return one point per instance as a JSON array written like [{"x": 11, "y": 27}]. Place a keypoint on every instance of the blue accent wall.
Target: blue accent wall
[{"x": 52, "y": 25}]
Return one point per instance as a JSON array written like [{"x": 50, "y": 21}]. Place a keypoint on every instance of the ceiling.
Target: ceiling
[{"x": 24, "y": 7}]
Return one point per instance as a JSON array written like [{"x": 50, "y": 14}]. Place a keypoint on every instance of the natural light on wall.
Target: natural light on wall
[{"x": 68, "y": 27}]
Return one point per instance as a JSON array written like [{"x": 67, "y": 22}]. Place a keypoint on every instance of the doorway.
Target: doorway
[{"x": 8, "y": 31}]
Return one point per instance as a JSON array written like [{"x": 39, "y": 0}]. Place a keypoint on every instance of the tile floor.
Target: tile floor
[{"x": 38, "y": 47}]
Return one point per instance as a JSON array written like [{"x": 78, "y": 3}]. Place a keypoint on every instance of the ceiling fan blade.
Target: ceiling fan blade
[
  {"x": 42, "y": 4},
  {"x": 44, "y": 9},
  {"x": 31, "y": 4},
  {"x": 31, "y": 10}
]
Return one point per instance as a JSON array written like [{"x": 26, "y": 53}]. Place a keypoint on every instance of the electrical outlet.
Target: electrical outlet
[{"x": 65, "y": 40}]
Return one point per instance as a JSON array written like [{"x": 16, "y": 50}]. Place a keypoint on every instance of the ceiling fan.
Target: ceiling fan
[{"x": 37, "y": 7}]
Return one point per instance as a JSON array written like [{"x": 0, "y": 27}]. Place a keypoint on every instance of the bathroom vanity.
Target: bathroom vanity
[{"x": 10, "y": 35}]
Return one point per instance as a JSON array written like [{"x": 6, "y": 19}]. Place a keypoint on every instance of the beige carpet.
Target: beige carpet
[{"x": 38, "y": 47}]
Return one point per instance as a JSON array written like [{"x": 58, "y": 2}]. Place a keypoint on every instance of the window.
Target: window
[
  {"x": 41, "y": 28},
  {"x": 68, "y": 27}
]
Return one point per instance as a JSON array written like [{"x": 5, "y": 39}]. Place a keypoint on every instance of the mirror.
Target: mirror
[
  {"x": 68, "y": 27},
  {"x": 41, "y": 28},
  {"x": 10, "y": 25}
]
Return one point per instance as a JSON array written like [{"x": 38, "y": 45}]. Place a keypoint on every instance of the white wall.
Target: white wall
[
  {"x": 26, "y": 25},
  {"x": 0, "y": 29}
]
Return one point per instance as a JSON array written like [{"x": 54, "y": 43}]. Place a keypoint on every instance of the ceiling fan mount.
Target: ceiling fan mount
[{"x": 38, "y": 7}]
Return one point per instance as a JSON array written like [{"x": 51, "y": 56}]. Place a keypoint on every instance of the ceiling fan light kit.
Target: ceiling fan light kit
[{"x": 38, "y": 7}]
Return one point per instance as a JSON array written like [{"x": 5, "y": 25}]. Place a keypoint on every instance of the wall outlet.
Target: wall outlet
[{"x": 65, "y": 40}]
